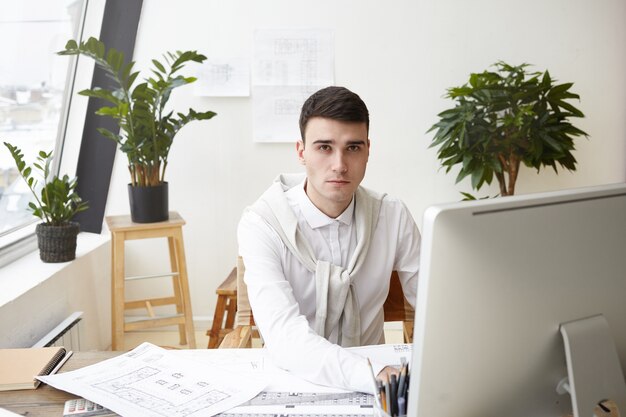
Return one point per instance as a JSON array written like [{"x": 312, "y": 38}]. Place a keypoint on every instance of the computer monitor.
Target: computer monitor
[{"x": 498, "y": 278}]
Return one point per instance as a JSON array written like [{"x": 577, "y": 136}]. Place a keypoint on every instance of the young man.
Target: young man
[{"x": 319, "y": 250}]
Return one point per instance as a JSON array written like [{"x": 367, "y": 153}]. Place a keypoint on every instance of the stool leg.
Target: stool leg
[
  {"x": 218, "y": 319},
  {"x": 176, "y": 284},
  {"x": 231, "y": 310},
  {"x": 184, "y": 288},
  {"x": 117, "y": 291}
]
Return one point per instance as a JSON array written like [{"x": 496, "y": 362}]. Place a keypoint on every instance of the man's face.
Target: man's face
[{"x": 335, "y": 157}]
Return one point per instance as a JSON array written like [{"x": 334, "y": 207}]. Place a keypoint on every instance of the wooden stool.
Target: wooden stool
[
  {"x": 122, "y": 229},
  {"x": 226, "y": 307}
]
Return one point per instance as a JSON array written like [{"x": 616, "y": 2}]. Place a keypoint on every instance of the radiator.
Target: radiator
[{"x": 66, "y": 333}]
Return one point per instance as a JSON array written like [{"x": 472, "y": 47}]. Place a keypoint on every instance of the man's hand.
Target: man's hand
[{"x": 387, "y": 371}]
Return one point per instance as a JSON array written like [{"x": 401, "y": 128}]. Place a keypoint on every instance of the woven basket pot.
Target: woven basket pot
[{"x": 57, "y": 243}]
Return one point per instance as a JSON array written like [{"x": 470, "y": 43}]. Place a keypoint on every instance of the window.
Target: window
[{"x": 35, "y": 89}]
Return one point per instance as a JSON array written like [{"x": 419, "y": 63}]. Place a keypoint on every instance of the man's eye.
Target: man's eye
[
  {"x": 324, "y": 148},
  {"x": 354, "y": 148}
]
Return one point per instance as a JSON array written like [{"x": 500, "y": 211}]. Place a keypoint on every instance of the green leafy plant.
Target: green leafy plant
[
  {"x": 147, "y": 129},
  {"x": 57, "y": 201},
  {"x": 502, "y": 119}
]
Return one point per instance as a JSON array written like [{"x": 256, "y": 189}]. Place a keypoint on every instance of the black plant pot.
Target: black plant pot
[
  {"x": 57, "y": 243},
  {"x": 149, "y": 204}
]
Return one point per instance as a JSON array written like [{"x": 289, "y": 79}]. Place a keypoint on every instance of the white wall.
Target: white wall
[
  {"x": 38, "y": 296},
  {"x": 400, "y": 57}
]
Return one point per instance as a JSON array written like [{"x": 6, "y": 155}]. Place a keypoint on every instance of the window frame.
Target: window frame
[
  {"x": 92, "y": 160},
  {"x": 21, "y": 239}
]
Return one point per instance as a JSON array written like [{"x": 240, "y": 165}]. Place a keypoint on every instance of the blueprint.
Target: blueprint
[
  {"x": 151, "y": 381},
  {"x": 303, "y": 404}
]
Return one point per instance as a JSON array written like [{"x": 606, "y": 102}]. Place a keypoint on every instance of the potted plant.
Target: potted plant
[
  {"x": 147, "y": 128},
  {"x": 56, "y": 205},
  {"x": 502, "y": 119}
]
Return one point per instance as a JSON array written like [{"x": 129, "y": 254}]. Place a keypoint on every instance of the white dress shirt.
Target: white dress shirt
[{"x": 282, "y": 291}]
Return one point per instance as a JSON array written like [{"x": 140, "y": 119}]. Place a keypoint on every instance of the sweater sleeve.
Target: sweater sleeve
[
  {"x": 407, "y": 257},
  {"x": 291, "y": 342}
]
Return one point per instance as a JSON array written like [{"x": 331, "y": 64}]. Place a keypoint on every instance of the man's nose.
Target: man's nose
[{"x": 339, "y": 162}]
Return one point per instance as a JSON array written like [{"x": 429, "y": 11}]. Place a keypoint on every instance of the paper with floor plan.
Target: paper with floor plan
[
  {"x": 251, "y": 361},
  {"x": 289, "y": 396},
  {"x": 151, "y": 381},
  {"x": 279, "y": 380}
]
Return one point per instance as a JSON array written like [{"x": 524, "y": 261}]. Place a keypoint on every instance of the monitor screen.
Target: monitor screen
[{"x": 497, "y": 279}]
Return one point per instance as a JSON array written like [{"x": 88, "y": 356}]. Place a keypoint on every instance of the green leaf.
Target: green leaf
[
  {"x": 468, "y": 196},
  {"x": 567, "y": 106},
  {"x": 71, "y": 44},
  {"x": 115, "y": 59},
  {"x": 477, "y": 177},
  {"x": 558, "y": 90},
  {"x": 462, "y": 174},
  {"x": 159, "y": 66}
]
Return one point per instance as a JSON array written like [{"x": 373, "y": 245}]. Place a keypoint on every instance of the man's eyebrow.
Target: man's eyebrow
[{"x": 330, "y": 141}]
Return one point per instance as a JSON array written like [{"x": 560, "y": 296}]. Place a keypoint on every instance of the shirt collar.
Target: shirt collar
[{"x": 313, "y": 216}]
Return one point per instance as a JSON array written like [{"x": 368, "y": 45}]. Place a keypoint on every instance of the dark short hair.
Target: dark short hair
[{"x": 337, "y": 103}]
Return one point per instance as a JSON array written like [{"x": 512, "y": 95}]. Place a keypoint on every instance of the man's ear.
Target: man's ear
[{"x": 300, "y": 151}]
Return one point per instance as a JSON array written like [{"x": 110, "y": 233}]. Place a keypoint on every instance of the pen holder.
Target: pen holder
[{"x": 379, "y": 412}]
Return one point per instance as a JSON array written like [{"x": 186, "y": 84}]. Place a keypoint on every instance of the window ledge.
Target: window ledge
[{"x": 29, "y": 271}]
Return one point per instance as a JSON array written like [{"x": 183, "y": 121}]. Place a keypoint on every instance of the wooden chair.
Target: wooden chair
[
  {"x": 225, "y": 309},
  {"x": 396, "y": 308}
]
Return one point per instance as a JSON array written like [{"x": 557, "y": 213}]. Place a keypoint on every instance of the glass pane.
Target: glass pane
[{"x": 33, "y": 80}]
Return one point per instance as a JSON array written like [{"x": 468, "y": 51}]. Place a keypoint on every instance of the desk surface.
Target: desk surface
[{"x": 45, "y": 400}]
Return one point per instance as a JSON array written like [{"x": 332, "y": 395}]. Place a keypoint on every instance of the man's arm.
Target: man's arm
[
  {"x": 291, "y": 342},
  {"x": 407, "y": 258}
]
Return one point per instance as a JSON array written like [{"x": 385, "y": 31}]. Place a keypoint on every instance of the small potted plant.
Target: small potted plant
[
  {"x": 503, "y": 119},
  {"x": 147, "y": 128},
  {"x": 56, "y": 204}
]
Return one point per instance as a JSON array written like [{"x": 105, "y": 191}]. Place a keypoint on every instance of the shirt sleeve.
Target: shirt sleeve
[
  {"x": 290, "y": 341},
  {"x": 408, "y": 255}
]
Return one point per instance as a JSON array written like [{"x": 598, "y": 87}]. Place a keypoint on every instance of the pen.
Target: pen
[
  {"x": 376, "y": 385},
  {"x": 405, "y": 394},
  {"x": 381, "y": 389},
  {"x": 387, "y": 396},
  {"x": 393, "y": 388},
  {"x": 402, "y": 380},
  {"x": 401, "y": 407}
]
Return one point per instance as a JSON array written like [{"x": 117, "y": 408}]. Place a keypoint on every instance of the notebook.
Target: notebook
[{"x": 19, "y": 367}]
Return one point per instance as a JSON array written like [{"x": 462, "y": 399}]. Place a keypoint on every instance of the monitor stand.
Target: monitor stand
[{"x": 593, "y": 367}]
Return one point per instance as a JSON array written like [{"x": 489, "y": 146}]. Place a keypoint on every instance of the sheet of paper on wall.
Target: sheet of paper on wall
[
  {"x": 276, "y": 112},
  {"x": 223, "y": 77},
  {"x": 151, "y": 381},
  {"x": 288, "y": 66}
]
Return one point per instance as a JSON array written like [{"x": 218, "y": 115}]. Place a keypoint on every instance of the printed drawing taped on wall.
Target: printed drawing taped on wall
[{"x": 289, "y": 65}]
